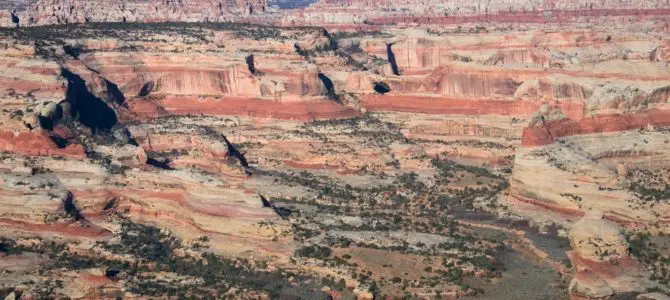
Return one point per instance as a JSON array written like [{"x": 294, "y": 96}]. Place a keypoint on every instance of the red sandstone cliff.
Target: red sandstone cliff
[{"x": 554, "y": 112}]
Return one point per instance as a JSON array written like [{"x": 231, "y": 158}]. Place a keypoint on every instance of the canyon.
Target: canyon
[{"x": 237, "y": 149}]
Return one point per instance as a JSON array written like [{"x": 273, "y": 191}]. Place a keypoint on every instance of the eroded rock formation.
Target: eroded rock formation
[{"x": 397, "y": 146}]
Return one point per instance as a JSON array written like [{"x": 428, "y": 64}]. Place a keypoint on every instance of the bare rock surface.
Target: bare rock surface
[{"x": 395, "y": 148}]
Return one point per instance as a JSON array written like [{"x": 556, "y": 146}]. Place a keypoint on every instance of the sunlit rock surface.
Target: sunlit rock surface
[{"x": 445, "y": 150}]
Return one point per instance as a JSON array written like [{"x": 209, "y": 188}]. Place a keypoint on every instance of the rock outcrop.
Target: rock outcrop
[
  {"x": 43, "y": 12},
  {"x": 603, "y": 266},
  {"x": 333, "y": 13}
]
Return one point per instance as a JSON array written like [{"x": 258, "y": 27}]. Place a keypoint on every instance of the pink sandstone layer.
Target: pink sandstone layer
[
  {"x": 432, "y": 105},
  {"x": 538, "y": 136},
  {"x": 550, "y": 16}
]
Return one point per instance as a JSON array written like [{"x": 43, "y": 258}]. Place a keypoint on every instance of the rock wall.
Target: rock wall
[
  {"x": 167, "y": 125},
  {"x": 44, "y": 12},
  {"x": 340, "y": 14}
]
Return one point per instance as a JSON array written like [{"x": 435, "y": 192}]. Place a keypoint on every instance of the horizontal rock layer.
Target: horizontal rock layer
[{"x": 210, "y": 129}]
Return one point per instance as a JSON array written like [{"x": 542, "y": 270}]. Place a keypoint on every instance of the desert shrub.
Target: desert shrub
[{"x": 314, "y": 251}]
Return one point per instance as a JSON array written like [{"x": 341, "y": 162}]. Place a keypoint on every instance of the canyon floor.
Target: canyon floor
[{"x": 239, "y": 161}]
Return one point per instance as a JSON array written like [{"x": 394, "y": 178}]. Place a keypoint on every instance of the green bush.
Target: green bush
[{"x": 314, "y": 251}]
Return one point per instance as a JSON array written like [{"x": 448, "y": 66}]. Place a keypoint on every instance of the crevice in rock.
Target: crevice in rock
[
  {"x": 161, "y": 163},
  {"x": 391, "y": 58},
  {"x": 252, "y": 65},
  {"x": 265, "y": 201},
  {"x": 70, "y": 209},
  {"x": 330, "y": 87},
  {"x": 111, "y": 204},
  {"x": 299, "y": 50},
  {"x": 283, "y": 212},
  {"x": 114, "y": 94},
  {"x": 90, "y": 110},
  {"x": 232, "y": 151},
  {"x": 146, "y": 89},
  {"x": 381, "y": 87},
  {"x": 331, "y": 42},
  {"x": 15, "y": 19}
]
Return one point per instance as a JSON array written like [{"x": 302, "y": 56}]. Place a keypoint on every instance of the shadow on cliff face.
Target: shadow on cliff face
[
  {"x": 89, "y": 109},
  {"x": 251, "y": 64},
  {"x": 49, "y": 119},
  {"x": 161, "y": 163},
  {"x": 391, "y": 57},
  {"x": 69, "y": 207},
  {"x": 15, "y": 19},
  {"x": 283, "y": 212},
  {"x": 146, "y": 89},
  {"x": 114, "y": 93},
  {"x": 299, "y": 50},
  {"x": 59, "y": 141},
  {"x": 331, "y": 42},
  {"x": 330, "y": 87},
  {"x": 73, "y": 51},
  {"x": 233, "y": 152}
]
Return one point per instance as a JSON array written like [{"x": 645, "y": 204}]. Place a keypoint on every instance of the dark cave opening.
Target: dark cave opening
[
  {"x": 330, "y": 87},
  {"x": 111, "y": 273},
  {"x": 15, "y": 19},
  {"x": 146, "y": 89},
  {"x": 251, "y": 64},
  {"x": 45, "y": 123},
  {"x": 381, "y": 87}
]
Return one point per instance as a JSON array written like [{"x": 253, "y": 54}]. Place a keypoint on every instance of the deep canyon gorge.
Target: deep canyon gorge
[{"x": 359, "y": 149}]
